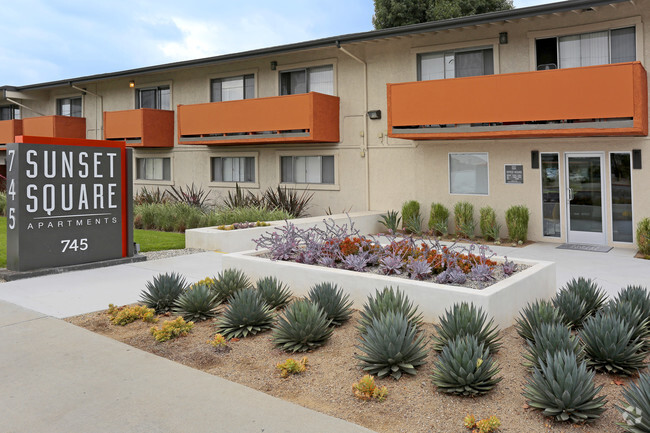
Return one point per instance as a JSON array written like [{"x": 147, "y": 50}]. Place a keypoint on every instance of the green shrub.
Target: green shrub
[
  {"x": 439, "y": 219},
  {"x": 172, "y": 329},
  {"x": 3, "y": 203},
  {"x": 464, "y": 219},
  {"x": 411, "y": 219},
  {"x": 643, "y": 236},
  {"x": 124, "y": 315},
  {"x": 517, "y": 222},
  {"x": 488, "y": 223}
]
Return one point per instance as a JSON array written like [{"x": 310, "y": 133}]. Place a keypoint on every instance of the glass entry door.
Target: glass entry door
[{"x": 585, "y": 198}]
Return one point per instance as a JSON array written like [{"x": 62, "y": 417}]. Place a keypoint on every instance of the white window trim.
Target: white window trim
[
  {"x": 247, "y": 185},
  {"x": 70, "y": 95},
  {"x": 587, "y": 28},
  {"x": 466, "y": 45},
  {"x": 311, "y": 64},
  {"x": 610, "y": 235},
  {"x": 449, "y": 174},
  {"x": 145, "y": 182},
  {"x": 142, "y": 86},
  {"x": 562, "y": 237},
  {"x": 255, "y": 72},
  {"x": 308, "y": 186}
]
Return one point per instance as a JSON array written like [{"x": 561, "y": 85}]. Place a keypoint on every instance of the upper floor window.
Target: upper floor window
[
  {"x": 455, "y": 64},
  {"x": 69, "y": 107},
  {"x": 307, "y": 169},
  {"x": 153, "y": 168},
  {"x": 587, "y": 49},
  {"x": 315, "y": 79},
  {"x": 9, "y": 112},
  {"x": 232, "y": 88},
  {"x": 154, "y": 97},
  {"x": 233, "y": 169}
]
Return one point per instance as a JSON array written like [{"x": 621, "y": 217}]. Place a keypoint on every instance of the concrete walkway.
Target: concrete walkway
[{"x": 56, "y": 377}]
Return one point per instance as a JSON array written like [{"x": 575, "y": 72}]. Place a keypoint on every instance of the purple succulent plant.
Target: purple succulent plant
[
  {"x": 452, "y": 275},
  {"x": 356, "y": 262},
  {"x": 482, "y": 273},
  {"x": 391, "y": 264},
  {"x": 418, "y": 269},
  {"x": 509, "y": 267}
]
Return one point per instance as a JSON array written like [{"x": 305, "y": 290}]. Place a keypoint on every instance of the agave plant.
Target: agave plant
[
  {"x": 247, "y": 314},
  {"x": 304, "y": 326},
  {"x": 333, "y": 301},
  {"x": 465, "y": 367},
  {"x": 609, "y": 345},
  {"x": 573, "y": 309},
  {"x": 588, "y": 291},
  {"x": 638, "y": 296},
  {"x": 633, "y": 315},
  {"x": 551, "y": 338},
  {"x": 466, "y": 319},
  {"x": 162, "y": 292},
  {"x": 275, "y": 294},
  {"x": 391, "y": 346},
  {"x": 563, "y": 388},
  {"x": 198, "y": 303},
  {"x": 534, "y": 315},
  {"x": 636, "y": 408},
  {"x": 385, "y": 301},
  {"x": 229, "y": 281},
  {"x": 391, "y": 221}
]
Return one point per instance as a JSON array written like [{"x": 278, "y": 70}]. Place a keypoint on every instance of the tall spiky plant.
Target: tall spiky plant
[
  {"x": 465, "y": 319},
  {"x": 333, "y": 301},
  {"x": 636, "y": 407},
  {"x": 550, "y": 338},
  {"x": 534, "y": 315},
  {"x": 304, "y": 326},
  {"x": 247, "y": 314},
  {"x": 387, "y": 300},
  {"x": 162, "y": 292}
]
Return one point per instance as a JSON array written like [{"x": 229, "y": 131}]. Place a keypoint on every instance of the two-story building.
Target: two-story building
[{"x": 545, "y": 106}]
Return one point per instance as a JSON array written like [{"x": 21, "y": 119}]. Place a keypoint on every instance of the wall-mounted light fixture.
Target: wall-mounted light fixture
[
  {"x": 374, "y": 114},
  {"x": 132, "y": 84},
  {"x": 274, "y": 65},
  {"x": 503, "y": 38}
]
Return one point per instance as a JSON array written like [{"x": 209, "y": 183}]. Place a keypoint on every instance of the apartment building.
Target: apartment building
[{"x": 545, "y": 106}]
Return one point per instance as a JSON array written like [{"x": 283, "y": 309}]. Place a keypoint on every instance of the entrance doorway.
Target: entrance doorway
[{"x": 585, "y": 198}]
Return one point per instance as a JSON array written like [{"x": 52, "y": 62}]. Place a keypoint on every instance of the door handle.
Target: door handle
[{"x": 570, "y": 193}]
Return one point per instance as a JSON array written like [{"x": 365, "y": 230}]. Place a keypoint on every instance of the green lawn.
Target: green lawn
[{"x": 149, "y": 240}]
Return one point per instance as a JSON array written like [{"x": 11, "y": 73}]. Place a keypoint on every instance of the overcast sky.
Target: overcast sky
[{"x": 46, "y": 40}]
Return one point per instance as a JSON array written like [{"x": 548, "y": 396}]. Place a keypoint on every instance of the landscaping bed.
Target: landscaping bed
[{"x": 413, "y": 404}]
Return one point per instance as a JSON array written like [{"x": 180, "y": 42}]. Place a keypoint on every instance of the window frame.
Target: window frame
[
  {"x": 225, "y": 77},
  {"x": 454, "y": 51},
  {"x": 560, "y": 198},
  {"x": 59, "y": 111},
  {"x": 221, "y": 184},
  {"x": 456, "y": 46},
  {"x": 14, "y": 109},
  {"x": 156, "y": 87},
  {"x": 635, "y": 22},
  {"x": 487, "y": 154},
  {"x": 611, "y": 193},
  {"x": 308, "y": 186},
  {"x": 138, "y": 181},
  {"x": 307, "y": 65}
]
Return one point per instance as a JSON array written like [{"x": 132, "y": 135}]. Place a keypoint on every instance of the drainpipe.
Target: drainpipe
[
  {"x": 101, "y": 108},
  {"x": 364, "y": 147},
  {"x": 24, "y": 106}
]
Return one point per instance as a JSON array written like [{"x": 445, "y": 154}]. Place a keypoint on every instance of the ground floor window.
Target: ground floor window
[
  {"x": 621, "y": 190},
  {"x": 307, "y": 169},
  {"x": 153, "y": 168},
  {"x": 233, "y": 169},
  {"x": 551, "y": 194},
  {"x": 468, "y": 173}
]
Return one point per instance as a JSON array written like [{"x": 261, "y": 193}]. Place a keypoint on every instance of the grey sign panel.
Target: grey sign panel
[
  {"x": 514, "y": 173},
  {"x": 64, "y": 205}
]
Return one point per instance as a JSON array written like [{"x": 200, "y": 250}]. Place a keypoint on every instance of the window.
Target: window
[
  {"x": 586, "y": 49},
  {"x": 468, "y": 173},
  {"x": 232, "y": 88},
  {"x": 551, "y": 194},
  {"x": 233, "y": 169},
  {"x": 317, "y": 79},
  {"x": 621, "y": 177},
  {"x": 307, "y": 169},
  {"x": 454, "y": 64},
  {"x": 9, "y": 112},
  {"x": 153, "y": 169},
  {"x": 154, "y": 97},
  {"x": 69, "y": 107}
]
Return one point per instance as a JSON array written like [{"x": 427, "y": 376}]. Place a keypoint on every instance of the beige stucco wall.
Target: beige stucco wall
[{"x": 399, "y": 170}]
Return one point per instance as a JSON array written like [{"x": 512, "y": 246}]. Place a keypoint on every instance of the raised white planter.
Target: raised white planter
[
  {"x": 228, "y": 241},
  {"x": 502, "y": 300}
]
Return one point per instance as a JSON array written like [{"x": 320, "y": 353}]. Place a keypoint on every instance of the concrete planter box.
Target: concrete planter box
[
  {"x": 228, "y": 241},
  {"x": 502, "y": 300}
]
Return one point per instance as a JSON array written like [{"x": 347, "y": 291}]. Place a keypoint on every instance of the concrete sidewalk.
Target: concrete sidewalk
[{"x": 57, "y": 377}]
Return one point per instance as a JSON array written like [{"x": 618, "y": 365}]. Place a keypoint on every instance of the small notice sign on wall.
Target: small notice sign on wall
[{"x": 514, "y": 173}]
